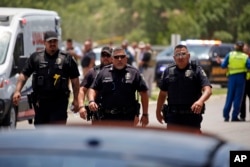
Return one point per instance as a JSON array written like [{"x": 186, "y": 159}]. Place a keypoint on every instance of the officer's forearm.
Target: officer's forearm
[
  {"x": 91, "y": 94},
  {"x": 144, "y": 101},
  {"x": 207, "y": 92},
  {"x": 75, "y": 87},
  {"x": 20, "y": 82},
  {"x": 81, "y": 96}
]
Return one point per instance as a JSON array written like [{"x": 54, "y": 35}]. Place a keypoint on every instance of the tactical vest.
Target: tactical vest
[
  {"x": 48, "y": 79},
  {"x": 237, "y": 63},
  {"x": 184, "y": 88}
]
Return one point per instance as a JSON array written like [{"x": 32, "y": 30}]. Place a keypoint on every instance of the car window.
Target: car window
[
  {"x": 199, "y": 51},
  {"x": 221, "y": 51},
  {"x": 169, "y": 51}
]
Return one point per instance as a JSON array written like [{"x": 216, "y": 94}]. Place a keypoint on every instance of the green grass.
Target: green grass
[{"x": 216, "y": 91}]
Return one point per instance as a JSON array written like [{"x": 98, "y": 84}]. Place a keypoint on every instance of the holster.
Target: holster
[
  {"x": 97, "y": 115},
  {"x": 165, "y": 111},
  {"x": 138, "y": 107}
]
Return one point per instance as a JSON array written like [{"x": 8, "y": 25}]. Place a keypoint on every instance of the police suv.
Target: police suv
[
  {"x": 204, "y": 52},
  {"x": 21, "y": 34}
]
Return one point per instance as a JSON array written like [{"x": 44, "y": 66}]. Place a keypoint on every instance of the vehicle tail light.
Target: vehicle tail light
[{"x": 22, "y": 22}]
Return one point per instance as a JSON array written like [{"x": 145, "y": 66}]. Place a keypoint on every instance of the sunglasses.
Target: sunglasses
[
  {"x": 105, "y": 55},
  {"x": 121, "y": 56},
  {"x": 183, "y": 54}
]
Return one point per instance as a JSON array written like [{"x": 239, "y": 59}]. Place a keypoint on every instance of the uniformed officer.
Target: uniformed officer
[
  {"x": 116, "y": 87},
  {"x": 89, "y": 78},
  {"x": 52, "y": 69},
  {"x": 186, "y": 87}
]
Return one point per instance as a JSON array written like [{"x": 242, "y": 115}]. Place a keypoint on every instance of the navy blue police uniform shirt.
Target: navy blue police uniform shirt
[
  {"x": 70, "y": 68},
  {"x": 117, "y": 88},
  {"x": 181, "y": 78},
  {"x": 90, "y": 76}
]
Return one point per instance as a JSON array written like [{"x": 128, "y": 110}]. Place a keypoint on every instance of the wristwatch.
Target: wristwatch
[{"x": 91, "y": 101}]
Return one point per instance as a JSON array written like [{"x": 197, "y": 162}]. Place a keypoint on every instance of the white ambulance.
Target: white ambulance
[{"x": 21, "y": 34}]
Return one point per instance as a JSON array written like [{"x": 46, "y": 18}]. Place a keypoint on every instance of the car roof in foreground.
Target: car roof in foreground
[{"x": 148, "y": 143}]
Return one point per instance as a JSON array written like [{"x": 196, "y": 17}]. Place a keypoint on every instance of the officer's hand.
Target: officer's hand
[
  {"x": 159, "y": 117},
  {"x": 197, "y": 107},
  {"x": 76, "y": 106},
  {"x": 144, "y": 120},
  {"x": 93, "y": 106},
  {"x": 16, "y": 98},
  {"x": 83, "y": 113}
]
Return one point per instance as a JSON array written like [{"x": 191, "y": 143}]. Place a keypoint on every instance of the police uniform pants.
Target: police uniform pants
[
  {"x": 185, "y": 121},
  {"x": 51, "y": 111}
]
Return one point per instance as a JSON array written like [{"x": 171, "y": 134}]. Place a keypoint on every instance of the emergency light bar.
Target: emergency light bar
[{"x": 201, "y": 42}]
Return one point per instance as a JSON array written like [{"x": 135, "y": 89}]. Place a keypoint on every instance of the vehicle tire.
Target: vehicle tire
[{"x": 9, "y": 120}]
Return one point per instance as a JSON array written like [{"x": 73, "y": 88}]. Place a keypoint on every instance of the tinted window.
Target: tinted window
[{"x": 221, "y": 51}]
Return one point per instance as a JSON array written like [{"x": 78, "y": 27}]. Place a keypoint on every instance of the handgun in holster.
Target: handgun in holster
[
  {"x": 32, "y": 99},
  {"x": 138, "y": 107},
  {"x": 89, "y": 113},
  {"x": 97, "y": 115},
  {"x": 165, "y": 111}
]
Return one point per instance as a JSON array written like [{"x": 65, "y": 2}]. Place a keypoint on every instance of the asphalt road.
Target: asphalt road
[{"x": 213, "y": 122}]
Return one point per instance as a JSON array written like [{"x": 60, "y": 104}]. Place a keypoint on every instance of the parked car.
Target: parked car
[
  {"x": 104, "y": 146},
  {"x": 204, "y": 52}
]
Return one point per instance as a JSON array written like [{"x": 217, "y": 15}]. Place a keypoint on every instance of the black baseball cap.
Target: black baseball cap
[
  {"x": 107, "y": 50},
  {"x": 49, "y": 35}
]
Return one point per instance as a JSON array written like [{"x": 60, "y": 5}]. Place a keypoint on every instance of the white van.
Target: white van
[{"x": 21, "y": 34}]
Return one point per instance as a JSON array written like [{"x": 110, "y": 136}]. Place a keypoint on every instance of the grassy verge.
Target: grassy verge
[{"x": 216, "y": 91}]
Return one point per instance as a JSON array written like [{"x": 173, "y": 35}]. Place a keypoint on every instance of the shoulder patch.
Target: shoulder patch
[{"x": 203, "y": 73}]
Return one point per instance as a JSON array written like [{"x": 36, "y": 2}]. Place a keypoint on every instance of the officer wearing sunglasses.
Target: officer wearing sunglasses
[
  {"x": 186, "y": 87},
  {"x": 89, "y": 78},
  {"x": 116, "y": 85}
]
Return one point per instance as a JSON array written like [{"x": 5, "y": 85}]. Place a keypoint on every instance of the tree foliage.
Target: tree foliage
[{"x": 151, "y": 21}]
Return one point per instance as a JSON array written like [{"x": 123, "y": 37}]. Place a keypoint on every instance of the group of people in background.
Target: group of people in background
[{"x": 139, "y": 55}]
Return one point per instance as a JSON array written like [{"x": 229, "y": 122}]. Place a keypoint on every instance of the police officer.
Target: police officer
[
  {"x": 116, "y": 85},
  {"x": 52, "y": 69},
  {"x": 89, "y": 78},
  {"x": 186, "y": 87},
  {"x": 237, "y": 64}
]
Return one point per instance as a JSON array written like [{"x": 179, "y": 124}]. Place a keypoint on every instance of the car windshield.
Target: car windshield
[
  {"x": 196, "y": 51},
  {"x": 167, "y": 52},
  {"x": 199, "y": 51},
  {"x": 4, "y": 43}
]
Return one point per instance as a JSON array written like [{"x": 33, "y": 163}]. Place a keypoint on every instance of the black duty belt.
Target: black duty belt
[
  {"x": 115, "y": 111},
  {"x": 180, "y": 111}
]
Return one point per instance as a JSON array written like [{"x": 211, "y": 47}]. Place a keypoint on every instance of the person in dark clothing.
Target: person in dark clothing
[
  {"x": 89, "y": 78},
  {"x": 131, "y": 58},
  {"x": 186, "y": 87},
  {"x": 89, "y": 57},
  {"x": 116, "y": 87},
  {"x": 52, "y": 69},
  {"x": 247, "y": 88}
]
